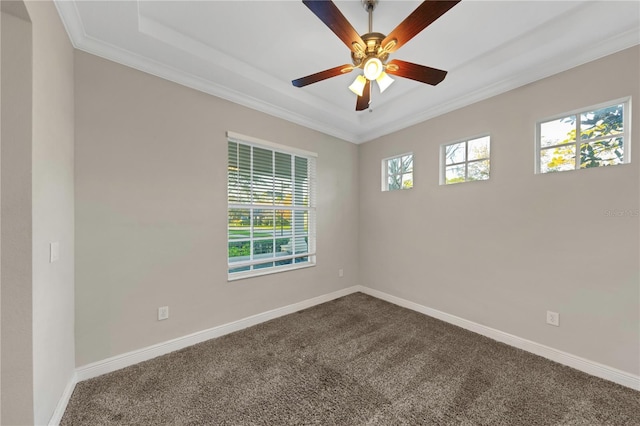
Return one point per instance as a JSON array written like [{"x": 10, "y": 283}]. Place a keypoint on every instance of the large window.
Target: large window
[
  {"x": 594, "y": 137},
  {"x": 465, "y": 161},
  {"x": 397, "y": 172},
  {"x": 271, "y": 206}
]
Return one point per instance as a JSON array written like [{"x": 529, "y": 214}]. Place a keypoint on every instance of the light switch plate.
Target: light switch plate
[
  {"x": 163, "y": 313},
  {"x": 54, "y": 252}
]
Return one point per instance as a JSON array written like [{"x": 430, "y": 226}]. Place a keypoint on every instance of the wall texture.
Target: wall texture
[
  {"x": 37, "y": 208},
  {"x": 0, "y": 217},
  {"x": 16, "y": 235},
  {"x": 52, "y": 208},
  {"x": 504, "y": 251},
  {"x": 151, "y": 211}
]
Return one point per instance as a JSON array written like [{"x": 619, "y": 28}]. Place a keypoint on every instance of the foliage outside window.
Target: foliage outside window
[
  {"x": 594, "y": 137},
  {"x": 271, "y": 208},
  {"x": 466, "y": 161},
  {"x": 397, "y": 172}
]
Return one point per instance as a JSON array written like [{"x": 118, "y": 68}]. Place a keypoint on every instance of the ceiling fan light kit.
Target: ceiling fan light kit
[
  {"x": 372, "y": 68},
  {"x": 357, "y": 86},
  {"x": 370, "y": 51},
  {"x": 384, "y": 81}
]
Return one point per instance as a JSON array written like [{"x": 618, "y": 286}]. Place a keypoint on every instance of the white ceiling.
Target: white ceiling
[{"x": 249, "y": 51}]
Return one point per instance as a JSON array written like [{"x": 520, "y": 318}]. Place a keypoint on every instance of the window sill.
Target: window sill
[{"x": 275, "y": 270}]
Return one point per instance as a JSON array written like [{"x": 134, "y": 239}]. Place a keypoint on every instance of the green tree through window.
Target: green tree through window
[
  {"x": 466, "y": 161},
  {"x": 397, "y": 173},
  {"x": 597, "y": 136}
]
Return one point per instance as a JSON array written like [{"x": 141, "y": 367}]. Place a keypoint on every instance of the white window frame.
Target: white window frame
[
  {"x": 625, "y": 135},
  {"x": 466, "y": 162},
  {"x": 311, "y": 209},
  {"x": 385, "y": 172}
]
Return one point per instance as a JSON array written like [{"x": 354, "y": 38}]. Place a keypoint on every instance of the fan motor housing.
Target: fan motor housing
[{"x": 373, "y": 47}]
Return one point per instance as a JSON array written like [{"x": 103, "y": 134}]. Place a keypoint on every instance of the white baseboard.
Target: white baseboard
[
  {"x": 590, "y": 367},
  {"x": 56, "y": 418},
  {"x": 130, "y": 358}
]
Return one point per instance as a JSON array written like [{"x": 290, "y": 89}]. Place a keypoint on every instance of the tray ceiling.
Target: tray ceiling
[{"x": 249, "y": 51}]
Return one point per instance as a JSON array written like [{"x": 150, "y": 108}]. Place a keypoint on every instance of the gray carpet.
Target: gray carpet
[{"x": 352, "y": 361}]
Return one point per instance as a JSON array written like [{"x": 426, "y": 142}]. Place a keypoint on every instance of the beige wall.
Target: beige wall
[
  {"x": 16, "y": 233},
  {"x": 151, "y": 211},
  {"x": 150, "y": 217},
  {"x": 0, "y": 218},
  {"x": 53, "y": 208},
  {"x": 37, "y": 208},
  {"x": 504, "y": 251}
]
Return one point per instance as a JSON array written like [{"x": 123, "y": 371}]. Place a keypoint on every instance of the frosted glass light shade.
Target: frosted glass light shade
[
  {"x": 357, "y": 86},
  {"x": 384, "y": 81},
  {"x": 373, "y": 68}
]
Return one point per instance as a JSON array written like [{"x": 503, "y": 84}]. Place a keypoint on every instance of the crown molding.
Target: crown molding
[
  {"x": 334, "y": 123},
  {"x": 614, "y": 44}
]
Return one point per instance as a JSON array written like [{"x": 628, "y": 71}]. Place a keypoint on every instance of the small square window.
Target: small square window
[
  {"x": 594, "y": 137},
  {"x": 465, "y": 161},
  {"x": 397, "y": 172}
]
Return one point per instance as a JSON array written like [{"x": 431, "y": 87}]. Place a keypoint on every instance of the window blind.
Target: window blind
[{"x": 271, "y": 206}]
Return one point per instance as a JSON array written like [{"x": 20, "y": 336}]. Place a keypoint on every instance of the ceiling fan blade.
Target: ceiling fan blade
[
  {"x": 329, "y": 13},
  {"x": 418, "y": 20},
  {"x": 416, "y": 72},
  {"x": 363, "y": 101},
  {"x": 322, "y": 75}
]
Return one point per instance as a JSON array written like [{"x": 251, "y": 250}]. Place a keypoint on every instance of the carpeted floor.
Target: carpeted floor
[{"x": 352, "y": 361}]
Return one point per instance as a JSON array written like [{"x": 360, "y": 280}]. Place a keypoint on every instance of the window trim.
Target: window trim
[
  {"x": 261, "y": 143},
  {"x": 443, "y": 160},
  {"x": 626, "y": 133},
  {"x": 385, "y": 169},
  {"x": 312, "y": 209}
]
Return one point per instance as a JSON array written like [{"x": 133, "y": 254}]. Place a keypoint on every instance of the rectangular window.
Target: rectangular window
[
  {"x": 271, "y": 207},
  {"x": 397, "y": 172},
  {"x": 465, "y": 161},
  {"x": 594, "y": 137}
]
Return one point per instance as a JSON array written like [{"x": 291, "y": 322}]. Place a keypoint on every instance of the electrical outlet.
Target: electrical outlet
[
  {"x": 163, "y": 313},
  {"x": 340, "y": 272},
  {"x": 553, "y": 318}
]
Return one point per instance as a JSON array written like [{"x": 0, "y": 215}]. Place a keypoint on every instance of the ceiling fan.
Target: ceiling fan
[{"x": 370, "y": 51}]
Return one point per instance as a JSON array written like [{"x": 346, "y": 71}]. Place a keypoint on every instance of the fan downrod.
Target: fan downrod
[{"x": 372, "y": 40}]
